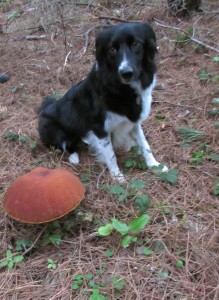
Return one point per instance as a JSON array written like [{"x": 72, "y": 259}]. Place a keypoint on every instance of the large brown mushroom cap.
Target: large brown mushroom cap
[{"x": 43, "y": 195}]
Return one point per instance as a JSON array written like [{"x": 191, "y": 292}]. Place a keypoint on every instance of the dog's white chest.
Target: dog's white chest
[
  {"x": 113, "y": 121},
  {"x": 144, "y": 98}
]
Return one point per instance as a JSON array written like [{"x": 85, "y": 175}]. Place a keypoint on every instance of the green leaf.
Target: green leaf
[
  {"x": 158, "y": 246},
  {"x": 137, "y": 184},
  {"x": 9, "y": 254},
  {"x": 117, "y": 282},
  {"x": 147, "y": 251},
  {"x": 203, "y": 75},
  {"x": 214, "y": 112},
  {"x": 10, "y": 264},
  {"x": 75, "y": 286},
  {"x": 52, "y": 239},
  {"x": 99, "y": 271},
  {"x": 216, "y": 190},
  {"x": 127, "y": 240},
  {"x": 135, "y": 152},
  {"x": 160, "y": 117},
  {"x": 22, "y": 244},
  {"x": 157, "y": 170},
  {"x": 122, "y": 198},
  {"x": 197, "y": 157},
  {"x": 142, "y": 165},
  {"x": 78, "y": 278},
  {"x": 171, "y": 176},
  {"x": 164, "y": 274},
  {"x": 96, "y": 295},
  {"x": 213, "y": 157},
  {"x": 33, "y": 145},
  {"x": 18, "y": 258},
  {"x": 130, "y": 162},
  {"x": 215, "y": 101},
  {"x": 109, "y": 253},
  {"x": 4, "y": 263},
  {"x": 118, "y": 190},
  {"x": 179, "y": 264},
  {"x": 84, "y": 178},
  {"x": 105, "y": 230},
  {"x": 91, "y": 283},
  {"x": 216, "y": 59},
  {"x": 182, "y": 37},
  {"x": 122, "y": 228},
  {"x": 139, "y": 223},
  {"x": 24, "y": 139},
  {"x": 190, "y": 135},
  {"x": 13, "y": 14},
  {"x": 143, "y": 202},
  {"x": 88, "y": 276}
]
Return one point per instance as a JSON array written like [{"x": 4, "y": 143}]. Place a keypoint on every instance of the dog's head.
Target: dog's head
[{"x": 128, "y": 50}]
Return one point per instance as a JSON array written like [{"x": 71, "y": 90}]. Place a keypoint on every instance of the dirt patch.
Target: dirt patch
[{"x": 46, "y": 47}]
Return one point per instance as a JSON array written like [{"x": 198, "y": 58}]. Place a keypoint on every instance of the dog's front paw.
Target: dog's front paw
[
  {"x": 162, "y": 168},
  {"x": 74, "y": 158},
  {"x": 119, "y": 177}
]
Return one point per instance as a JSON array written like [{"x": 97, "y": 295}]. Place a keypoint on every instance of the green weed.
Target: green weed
[
  {"x": 11, "y": 260},
  {"x": 127, "y": 231},
  {"x": 51, "y": 264},
  {"x": 21, "y": 139}
]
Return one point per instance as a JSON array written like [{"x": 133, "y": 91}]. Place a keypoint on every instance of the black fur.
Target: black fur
[{"x": 83, "y": 108}]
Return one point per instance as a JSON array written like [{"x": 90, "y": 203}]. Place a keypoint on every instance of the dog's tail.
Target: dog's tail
[{"x": 47, "y": 107}]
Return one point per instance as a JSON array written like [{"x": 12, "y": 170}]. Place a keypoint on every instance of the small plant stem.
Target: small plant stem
[{"x": 34, "y": 243}]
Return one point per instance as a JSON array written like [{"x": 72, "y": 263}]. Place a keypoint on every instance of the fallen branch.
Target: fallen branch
[
  {"x": 86, "y": 36},
  {"x": 192, "y": 37},
  {"x": 34, "y": 37},
  {"x": 111, "y": 18},
  {"x": 66, "y": 60}
]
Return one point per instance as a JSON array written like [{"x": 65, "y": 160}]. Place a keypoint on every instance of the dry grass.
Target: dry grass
[{"x": 183, "y": 217}]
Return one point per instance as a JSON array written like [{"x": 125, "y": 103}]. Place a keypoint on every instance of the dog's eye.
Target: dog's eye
[
  {"x": 134, "y": 44},
  {"x": 112, "y": 50}
]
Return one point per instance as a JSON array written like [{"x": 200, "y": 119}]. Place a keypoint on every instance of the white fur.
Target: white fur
[
  {"x": 74, "y": 158},
  {"x": 104, "y": 152},
  {"x": 124, "y": 133},
  {"x": 124, "y": 64}
]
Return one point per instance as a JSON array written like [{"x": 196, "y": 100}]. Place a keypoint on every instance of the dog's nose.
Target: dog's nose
[{"x": 126, "y": 73}]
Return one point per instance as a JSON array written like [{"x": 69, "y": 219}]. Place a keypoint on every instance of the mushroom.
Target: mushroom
[{"x": 43, "y": 195}]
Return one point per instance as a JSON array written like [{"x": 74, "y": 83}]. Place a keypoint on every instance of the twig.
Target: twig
[
  {"x": 34, "y": 243},
  {"x": 59, "y": 7},
  {"x": 192, "y": 37},
  {"x": 66, "y": 60},
  {"x": 98, "y": 179},
  {"x": 116, "y": 19},
  {"x": 86, "y": 35},
  {"x": 34, "y": 37}
]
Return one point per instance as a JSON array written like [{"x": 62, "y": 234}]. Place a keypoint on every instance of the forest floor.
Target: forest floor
[{"x": 46, "y": 47}]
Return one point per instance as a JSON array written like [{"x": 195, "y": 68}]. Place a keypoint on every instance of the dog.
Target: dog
[{"x": 106, "y": 109}]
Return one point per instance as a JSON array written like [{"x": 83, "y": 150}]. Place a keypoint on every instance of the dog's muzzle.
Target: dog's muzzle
[{"x": 126, "y": 74}]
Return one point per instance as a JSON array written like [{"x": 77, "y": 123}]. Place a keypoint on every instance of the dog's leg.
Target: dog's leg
[
  {"x": 74, "y": 158},
  {"x": 104, "y": 152},
  {"x": 138, "y": 135}
]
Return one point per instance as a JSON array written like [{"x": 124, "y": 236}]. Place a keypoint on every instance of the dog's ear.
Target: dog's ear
[
  {"x": 149, "y": 47},
  {"x": 102, "y": 40},
  {"x": 150, "y": 42}
]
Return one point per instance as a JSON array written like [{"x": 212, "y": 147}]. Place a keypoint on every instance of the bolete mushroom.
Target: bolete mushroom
[{"x": 43, "y": 195}]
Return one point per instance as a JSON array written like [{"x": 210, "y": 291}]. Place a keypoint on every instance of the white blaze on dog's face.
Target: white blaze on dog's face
[{"x": 127, "y": 50}]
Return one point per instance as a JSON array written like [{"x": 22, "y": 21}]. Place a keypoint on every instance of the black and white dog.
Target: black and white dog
[{"x": 107, "y": 108}]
